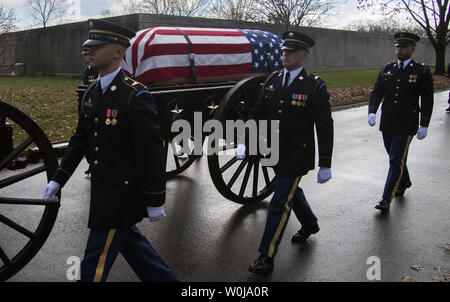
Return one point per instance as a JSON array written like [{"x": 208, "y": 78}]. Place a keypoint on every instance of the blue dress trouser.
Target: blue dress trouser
[
  {"x": 103, "y": 246},
  {"x": 288, "y": 196},
  {"x": 397, "y": 147}
]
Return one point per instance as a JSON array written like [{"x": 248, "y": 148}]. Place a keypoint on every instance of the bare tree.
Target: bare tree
[
  {"x": 431, "y": 15},
  {"x": 7, "y": 24},
  {"x": 239, "y": 10},
  {"x": 386, "y": 25},
  {"x": 166, "y": 7},
  {"x": 7, "y": 19},
  {"x": 293, "y": 13},
  {"x": 45, "y": 11}
]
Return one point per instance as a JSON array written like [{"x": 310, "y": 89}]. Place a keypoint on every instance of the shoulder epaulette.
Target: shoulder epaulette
[
  {"x": 314, "y": 77},
  {"x": 137, "y": 86},
  {"x": 133, "y": 83}
]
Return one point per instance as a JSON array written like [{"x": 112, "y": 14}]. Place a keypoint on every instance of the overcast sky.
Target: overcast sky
[{"x": 346, "y": 14}]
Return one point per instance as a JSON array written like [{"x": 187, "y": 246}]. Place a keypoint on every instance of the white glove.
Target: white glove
[
  {"x": 50, "y": 191},
  {"x": 240, "y": 151},
  {"x": 155, "y": 213},
  {"x": 323, "y": 175},
  {"x": 422, "y": 132},
  {"x": 372, "y": 119}
]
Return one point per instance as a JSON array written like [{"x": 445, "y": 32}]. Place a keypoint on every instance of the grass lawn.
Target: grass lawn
[
  {"x": 52, "y": 101},
  {"x": 49, "y": 101},
  {"x": 349, "y": 78}
]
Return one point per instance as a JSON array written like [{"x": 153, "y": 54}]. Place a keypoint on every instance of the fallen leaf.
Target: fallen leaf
[
  {"x": 437, "y": 278},
  {"x": 407, "y": 279},
  {"x": 446, "y": 248},
  {"x": 416, "y": 267}
]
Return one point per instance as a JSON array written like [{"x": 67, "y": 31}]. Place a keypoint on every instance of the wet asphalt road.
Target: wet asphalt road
[{"x": 208, "y": 238}]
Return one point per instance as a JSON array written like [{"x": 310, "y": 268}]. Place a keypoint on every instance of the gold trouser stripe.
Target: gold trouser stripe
[
  {"x": 64, "y": 171},
  {"x": 283, "y": 218},
  {"x": 402, "y": 166},
  {"x": 102, "y": 260}
]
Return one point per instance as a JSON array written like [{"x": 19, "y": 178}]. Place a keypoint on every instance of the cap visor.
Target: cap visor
[{"x": 91, "y": 42}]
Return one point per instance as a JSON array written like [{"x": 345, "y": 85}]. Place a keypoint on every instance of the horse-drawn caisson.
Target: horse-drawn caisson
[{"x": 217, "y": 73}]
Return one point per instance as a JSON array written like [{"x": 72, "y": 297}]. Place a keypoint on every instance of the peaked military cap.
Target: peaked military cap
[
  {"x": 405, "y": 38},
  {"x": 102, "y": 32},
  {"x": 296, "y": 41}
]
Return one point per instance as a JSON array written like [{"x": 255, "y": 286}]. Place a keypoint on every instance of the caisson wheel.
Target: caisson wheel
[
  {"x": 16, "y": 229},
  {"x": 242, "y": 181}
]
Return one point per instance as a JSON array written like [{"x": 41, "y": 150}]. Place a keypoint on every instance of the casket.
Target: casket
[{"x": 162, "y": 56}]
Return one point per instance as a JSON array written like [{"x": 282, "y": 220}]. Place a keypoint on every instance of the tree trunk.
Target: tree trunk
[
  {"x": 439, "y": 48},
  {"x": 440, "y": 58}
]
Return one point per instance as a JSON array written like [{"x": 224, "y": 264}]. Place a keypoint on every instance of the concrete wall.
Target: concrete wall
[{"x": 56, "y": 50}]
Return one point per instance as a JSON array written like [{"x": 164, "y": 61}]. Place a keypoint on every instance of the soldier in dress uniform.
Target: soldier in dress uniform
[
  {"x": 298, "y": 101},
  {"x": 118, "y": 127},
  {"x": 401, "y": 84},
  {"x": 90, "y": 75}
]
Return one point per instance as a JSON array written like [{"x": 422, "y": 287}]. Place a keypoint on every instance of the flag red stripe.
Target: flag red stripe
[
  {"x": 134, "y": 56},
  {"x": 199, "y": 32},
  {"x": 185, "y": 72},
  {"x": 177, "y": 49}
]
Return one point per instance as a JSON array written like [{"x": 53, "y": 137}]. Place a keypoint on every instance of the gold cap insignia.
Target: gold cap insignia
[{"x": 291, "y": 35}]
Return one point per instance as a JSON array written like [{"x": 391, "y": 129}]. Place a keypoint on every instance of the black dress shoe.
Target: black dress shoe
[
  {"x": 448, "y": 109},
  {"x": 262, "y": 265},
  {"x": 304, "y": 234},
  {"x": 383, "y": 205},
  {"x": 401, "y": 189}
]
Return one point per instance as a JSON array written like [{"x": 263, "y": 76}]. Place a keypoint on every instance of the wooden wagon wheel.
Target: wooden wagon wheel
[
  {"x": 243, "y": 181},
  {"x": 10, "y": 265},
  {"x": 177, "y": 160}
]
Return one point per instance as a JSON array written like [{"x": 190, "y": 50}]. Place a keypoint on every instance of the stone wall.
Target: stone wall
[{"x": 56, "y": 50}]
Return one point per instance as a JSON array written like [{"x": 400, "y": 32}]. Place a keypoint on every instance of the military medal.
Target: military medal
[
  {"x": 111, "y": 115},
  {"x": 412, "y": 78},
  {"x": 299, "y": 99},
  {"x": 114, "y": 116}
]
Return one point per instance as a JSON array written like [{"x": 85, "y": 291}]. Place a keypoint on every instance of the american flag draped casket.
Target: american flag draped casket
[{"x": 171, "y": 55}]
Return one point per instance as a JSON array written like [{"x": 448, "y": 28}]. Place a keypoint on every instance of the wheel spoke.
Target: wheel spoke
[
  {"x": 16, "y": 226},
  {"x": 16, "y": 152},
  {"x": 25, "y": 201},
  {"x": 16, "y": 178},
  {"x": 4, "y": 257},
  {"x": 246, "y": 177},
  {"x": 266, "y": 175},
  {"x": 228, "y": 164},
  {"x": 239, "y": 113},
  {"x": 237, "y": 173},
  {"x": 255, "y": 178},
  {"x": 227, "y": 147}
]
